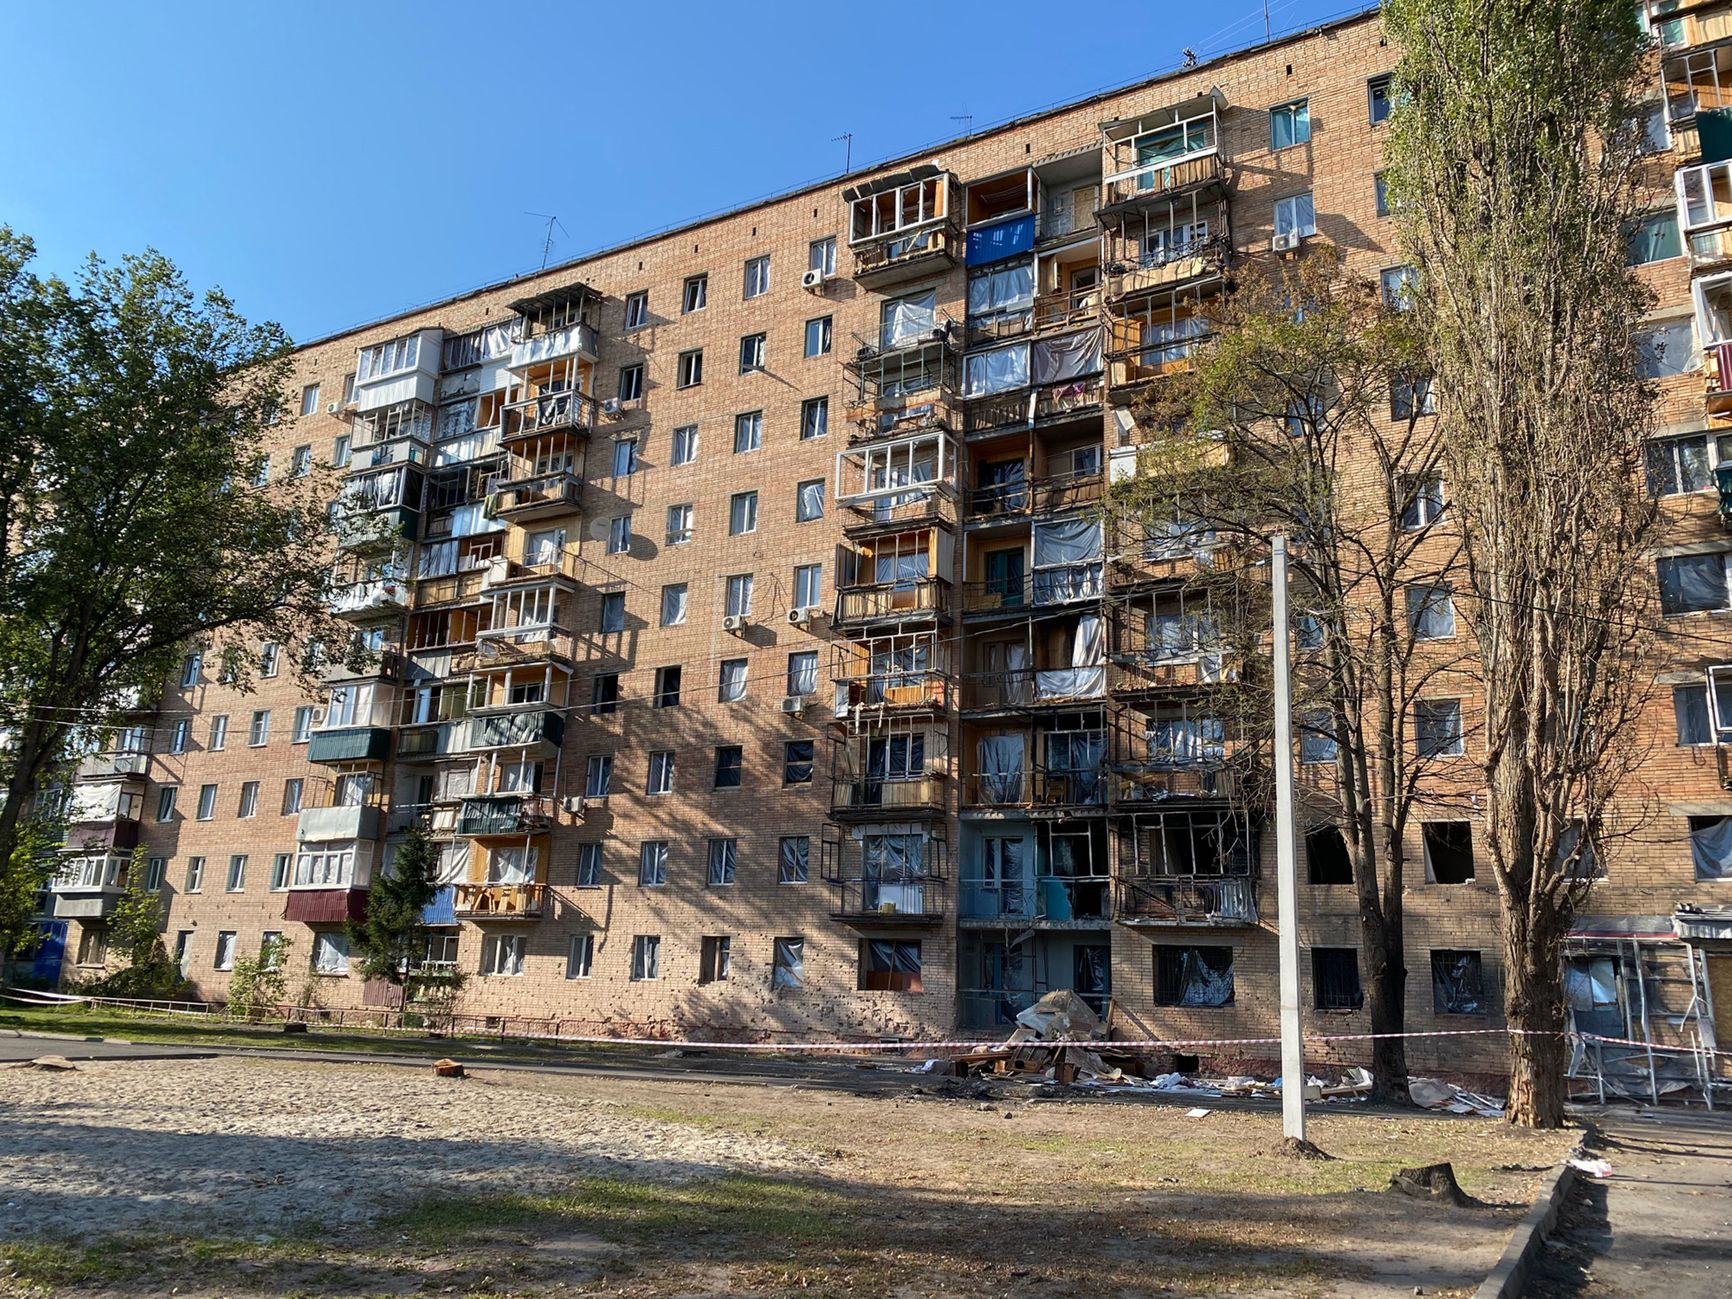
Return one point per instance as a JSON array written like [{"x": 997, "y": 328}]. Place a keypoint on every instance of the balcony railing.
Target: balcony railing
[
  {"x": 1226, "y": 902},
  {"x": 928, "y": 503},
  {"x": 889, "y": 795},
  {"x": 373, "y": 596},
  {"x": 514, "y": 730},
  {"x": 499, "y": 901},
  {"x": 890, "y": 601},
  {"x": 1060, "y": 584},
  {"x": 551, "y": 412},
  {"x": 1036, "y": 788},
  {"x": 1025, "y": 687},
  {"x": 910, "y": 691},
  {"x": 1132, "y": 673},
  {"x": 906, "y": 254},
  {"x": 115, "y": 762},
  {"x": 1154, "y": 180},
  {"x": 905, "y": 899},
  {"x": 573, "y": 340},
  {"x": 1031, "y": 496},
  {"x": 556, "y": 493},
  {"x": 481, "y": 817},
  {"x": 1156, "y": 783},
  {"x": 1026, "y": 407}
]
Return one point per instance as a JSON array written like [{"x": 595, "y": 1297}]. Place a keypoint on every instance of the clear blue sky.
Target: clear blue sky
[{"x": 327, "y": 163}]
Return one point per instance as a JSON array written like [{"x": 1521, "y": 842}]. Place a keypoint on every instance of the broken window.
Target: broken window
[
  {"x": 889, "y": 966},
  {"x": 1326, "y": 856},
  {"x": 1711, "y": 847},
  {"x": 1193, "y": 976},
  {"x": 715, "y": 958},
  {"x": 1457, "y": 987},
  {"x": 790, "y": 963},
  {"x": 1335, "y": 978},
  {"x": 1448, "y": 851}
]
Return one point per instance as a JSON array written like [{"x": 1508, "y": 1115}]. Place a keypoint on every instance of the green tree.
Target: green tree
[
  {"x": 132, "y": 413},
  {"x": 135, "y": 932},
  {"x": 258, "y": 985},
  {"x": 1314, "y": 402},
  {"x": 1515, "y": 174},
  {"x": 392, "y": 939}
]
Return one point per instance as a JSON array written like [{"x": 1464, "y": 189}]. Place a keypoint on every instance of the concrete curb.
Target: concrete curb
[{"x": 1509, "y": 1278}]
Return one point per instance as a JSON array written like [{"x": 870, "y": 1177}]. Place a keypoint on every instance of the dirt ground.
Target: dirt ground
[{"x": 233, "y": 1176}]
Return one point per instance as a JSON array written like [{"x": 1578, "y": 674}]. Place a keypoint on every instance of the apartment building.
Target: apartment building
[{"x": 751, "y": 634}]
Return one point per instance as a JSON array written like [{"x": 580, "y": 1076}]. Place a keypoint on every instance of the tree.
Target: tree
[
  {"x": 259, "y": 985},
  {"x": 1514, "y": 171},
  {"x": 1316, "y": 407},
  {"x": 132, "y": 415},
  {"x": 392, "y": 939},
  {"x": 135, "y": 931}
]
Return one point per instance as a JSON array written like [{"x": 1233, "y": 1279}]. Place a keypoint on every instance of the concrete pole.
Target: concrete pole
[{"x": 1286, "y": 861}]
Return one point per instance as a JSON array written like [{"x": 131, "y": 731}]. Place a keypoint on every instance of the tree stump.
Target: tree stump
[{"x": 1431, "y": 1182}]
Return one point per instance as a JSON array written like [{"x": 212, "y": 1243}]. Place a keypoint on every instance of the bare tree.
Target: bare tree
[
  {"x": 1309, "y": 415},
  {"x": 1514, "y": 170}
]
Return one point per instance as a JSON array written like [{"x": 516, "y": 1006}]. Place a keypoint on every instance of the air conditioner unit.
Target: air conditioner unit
[
  {"x": 319, "y": 715},
  {"x": 611, "y": 406},
  {"x": 1285, "y": 243},
  {"x": 332, "y": 407},
  {"x": 576, "y": 804},
  {"x": 734, "y": 622},
  {"x": 794, "y": 703},
  {"x": 798, "y": 617},
  {"x": 813, "y": 280}
]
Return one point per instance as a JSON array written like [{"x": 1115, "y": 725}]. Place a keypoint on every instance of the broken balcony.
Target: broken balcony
[
  {"x": 1188, "y": 867},
  {"x": 910, "y": 480},
  {"x": 556, "y": 324},
  {"x": 537, "y": 496},
  {"x": 903, "y": 226},
  {"x": 484, "y": 902},
  {"x": 368, "y": 598},
  {"x": 1027, "y": 474},
  {"x": 1052, "y": 662},
  {"x": 1159, "y": 155},
  {"x": 569, "y": 411},
  {"x": 1069, "y": 778},
  {"x": 379, "y": 508},
  {"x": 1165, "y": 245},
  {"x": 885, "y": 877},
  {"x": 1149, "y": 338},
  {"x": 894, "y": 578},
  {"x": 890, "y": 674},
  {"x": 1067, "y": 557},
  {"x": 892, "y": 769}
]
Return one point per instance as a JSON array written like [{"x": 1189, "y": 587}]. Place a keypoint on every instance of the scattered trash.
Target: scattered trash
[
  {"x": 1592, "y": 1167},
  {"x": 1060, "y": 1016},
  {"x": 1435, "y": 1095},
  {"x": 448, "y": 1069},
  {"x": 1198, "y": 1113},
  {"x": 52, "y": 1064}
]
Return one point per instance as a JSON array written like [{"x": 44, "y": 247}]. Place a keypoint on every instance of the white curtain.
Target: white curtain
[
  {"x": 907, "y": 320},
  {"x": 1016, "y": 689},
  {"x": 1711, "y": 847},
  {"x": 1001, "y": 290},
  {"x": 1087, "y": 674},
  {"x": 1000, "y": 370}
]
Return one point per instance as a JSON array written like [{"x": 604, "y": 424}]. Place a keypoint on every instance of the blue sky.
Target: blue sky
[{"x": 327, "y": 163}]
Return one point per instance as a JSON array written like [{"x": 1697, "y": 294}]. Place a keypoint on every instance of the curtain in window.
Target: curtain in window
[
  {"x": 1077, "y": 755},
  {"x": 1006, "y": 239},
  {"x": 1691, "y": 583},
  {"x": 1002, "y": 290},
  {"x": 803, "y": 674},
  {"x": 1057, "y": 360},
  {"x": 907, "y": 320},
  {"x": 790, "y": 963},
  {"x": 1087, "y": 672},
  {"x": 902, "y": 570},
  {"x": 1711, "y": 849},
  {"x": 1205, "y": 979},
  {"x": 1001, "y": 763},
  {"x": 1184, "y": 741},
  {"x": 1067, "y": 560},
  {"x": 811, "y": 504},
  {"x": 1000, "y": 370},
  {"x": 795, "y": 859},
  {"x": 1296, "y": 215},
  {"x": 673, "y": 604}
]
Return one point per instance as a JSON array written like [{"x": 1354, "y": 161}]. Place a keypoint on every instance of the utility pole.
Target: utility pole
[{"x": 1286, "y": 860}]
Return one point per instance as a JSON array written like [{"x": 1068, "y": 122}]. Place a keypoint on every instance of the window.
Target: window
[
  {"x": 194, "y": 874},
  {"x": 619, "y": 534},
  {"x": 219, "y": 731},
  {"x": 1685, "y": 464},
  {"x": 809, "y": 500},
  {"x": 310, "y": 399},
  {"x": 715, "y": 958},
  {"x": 1457, "y": 983},
  {"x": 789, "y": 970},
  {"x": 269, "y": 658},
  {"x": 262, "y": 470},
  {"x": 282, "y": 868},
  {"x": 803, "y": 672},
  {"x": 814, "y": 418},
  {"x": 646, "y": 957},
  {"x": 502, "y": 954},
  {"x": 739, "y": 596},
  {"x": 1295, "y": 215},
  {"x": 751, "y": 355},
  {"x": 1430, "y": 611},
  {"x": 1326, "y": 857},
  {"x": 225, "y": 949},
  {"x": 190, "y": 667},
  {"x": 155, "y": 870},
  {"x": 679, "y": 524},
  {"x": 1697, "y": 724},
  {"x": 207, "y": 796},
  {"x": 667, "y": 693},
  {"x": 301, "y": 462},
  {"x": 748, "y": 432},
  {"x": 165, "y": 802},
  {"x": 1000, "y": 370},
  {"x": 694, "y": 295},
  {"x": 1692, "y": 583},
  {"x": 598, "y": 775},
  {"x": 631, "y": 382},
  {"x": 797, "y": 762},
  {"x": 624, "y": 457},
  {"x": 249, "y": 804},
  {"x": 674, "y": 604},
  {"x": 1711, "y": 847},
  {"x": 742, "y": 513},
  {"x": 685, "y": 447},
  {"x": 93, "y": 947},
  {"x": 1398, "y": 285},
  {"x": 652, "y": 866},
  {"x": 1290, "y": 124},
  {"x": 580, "y": 956},
  {"x": 637, "y": 309},
  {"x": 348, "y": 389},
  {"x": 1307, "y": 632},
  {"x": 818, "y": 337},
  {"x": 292, "y": 794},
  {"x": 1379, "y": 97},
  {"x": 793, "y": 859},
  {"x": 1193, "y": 976},
  {"x": 757, "y": 277},
  {"x": 1380, "y": 192},
  {"x": 661, "y": 772},
  {"x": 330, "y": 953},
  {"x": 1437, "y": 728},
  {"x": 1667, "y": 349},
  {"x": 1424, "y": 504},
  {"x": 259, "y": 729},
  {"x": 1335, "y": 978},
  {"x": 724, "y": 856},
  {"x": 613, "y": 611},
  {"x": 1656, "y": 135},
  {"x": 731, "y": 681},
  {"x": 1448, "y": 851},
  {"x": 691, "y": 369},
  {"x": 389, "y": 358},
  {"x": 589, "y": 865},
  {"x": 183, "y": 950},
  {"x": 808, "y": 586},
  {"x": 178, "y": 737},
  {"x": 1410, "y": 396},
  {"x": 1655, "y": 238},
  {"x": 1317, "y": 743},
  {"x": 821, "y": 256},
  {"x": 604, "y": 691},
  {"x": 237, "y": 879},
  {"x": 889, "y": 965},
  {"x": 729, "y": 760},
  {"x": 340, "y": 452}
]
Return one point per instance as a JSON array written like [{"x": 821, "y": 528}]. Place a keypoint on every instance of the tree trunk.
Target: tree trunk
[
  {"x": 1535, "y": 1010},
  {"x": 1386, "y": 994}
]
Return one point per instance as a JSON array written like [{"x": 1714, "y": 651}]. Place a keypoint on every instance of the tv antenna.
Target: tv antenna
[
  {"x": 848, "y": 157},
  {"x": 967, "y": 120},
  {"x": 547, "y": 243}
]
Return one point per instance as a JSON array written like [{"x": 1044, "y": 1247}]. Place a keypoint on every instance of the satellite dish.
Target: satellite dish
[{"x": 599, "y": 528}]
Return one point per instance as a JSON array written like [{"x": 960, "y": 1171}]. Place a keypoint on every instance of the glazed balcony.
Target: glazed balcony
[
  {"x": 348, "y": 821},
  {"x": 114, "y": 764},
  {"x": 483, "y": 902},
  {"x": 504, "y": 816},
  {"x": 350, "y": 744},
  {"x": 541, "y": 729},
  {"x": 578, "y": 339},
  {"x": 370, "y": 598},
  {"x": 1187, "y": 902},
  {"x": 88, "y": 888}
]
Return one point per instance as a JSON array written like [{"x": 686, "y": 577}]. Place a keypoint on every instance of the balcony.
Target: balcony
[
  {"x": 506, "y": 647},
  {"x": 1162, "y": 179},
  {"x": 1149, "y": 784},
  {"x": 504, "y": 816},
  {"x": 350, "y": 744},
  {"x": 1188, "y": 901},
  {"x": 1717, "y": 379},
  {"x": 320, "y": 824},
  {"x": 1155, "y": 672},
  {"x": 903, "y": 226},
  {"x": 1037, "y": 790},
  {"x": 1145, "y": 272},
  {"x": 1020, "y": 688},
  {"x": 541, "y": 728},
  {"x": 572, "y": 340},
  {"x": 1026, "y": 497},
  {"x": 368, "y": 599},
  {"x": 1044, "y": 588},
  {"x": 933, "y": 504},
  {"x": 88, "y": 888},
  {"x": 113, "y": 764},
  {"x": 908, "y": 600},
  {"x": 523, "y": 499},
  {"x": 885, "y": 879},
  {"x": 900, "y": 901},
  {"x": 887, "y": 796},
  {"x": 116, "y": 834},
  {"x": 550, "y": 412},
  {"x": 480, "y": 902},
  {"x": 899, "y": 692},
  {"x": 327, "y": 906}
]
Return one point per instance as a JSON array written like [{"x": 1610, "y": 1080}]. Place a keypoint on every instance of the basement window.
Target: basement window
[
  {"x": 1457, "y": 985},
  {"x": 1193, "y": 976},
  {"x": 1448, "y": 852},
  {"x": 1335, "y": 978},
  {"x": 1326, "y": 856}
]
